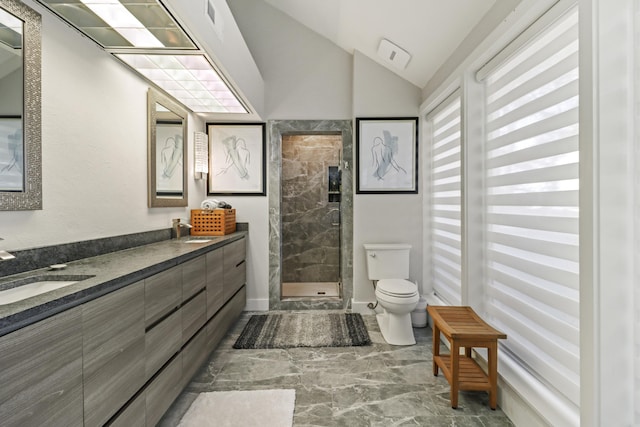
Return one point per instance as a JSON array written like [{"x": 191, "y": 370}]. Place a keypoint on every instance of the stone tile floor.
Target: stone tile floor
[{"x": 378, "y": 385}]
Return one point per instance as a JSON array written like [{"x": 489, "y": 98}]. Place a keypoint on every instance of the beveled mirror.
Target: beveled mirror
[
  {"x": 20, "y": 114},
  {"x": 167, "y": 151}
]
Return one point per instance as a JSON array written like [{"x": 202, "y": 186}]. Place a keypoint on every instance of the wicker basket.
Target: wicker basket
[{"x": 213, "y": 222}]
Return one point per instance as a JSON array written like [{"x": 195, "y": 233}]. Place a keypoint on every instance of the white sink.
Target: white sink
[{"x": 38, "y": 285}]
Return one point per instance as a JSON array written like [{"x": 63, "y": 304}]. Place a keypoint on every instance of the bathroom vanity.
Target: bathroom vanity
[{"x": 118, "y": 347}]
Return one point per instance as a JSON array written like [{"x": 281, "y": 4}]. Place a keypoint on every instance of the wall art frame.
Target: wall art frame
[
  {"x": 387, "y": 155},
  {"x": 237, "y": 159}
]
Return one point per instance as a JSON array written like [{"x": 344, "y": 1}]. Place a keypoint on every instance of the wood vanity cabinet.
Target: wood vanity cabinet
[
  {"x": 122, "y": 358},
  {"x": 162, "y": 294},
  {"x": 162, "y": 343},
  {"x": 234, "y": 267},
  {"x": 194, "y": 296},
  {"x": 113, "y": 352},
  {"x": 162, "y": 391},
  {"x": 215, "y": 281},
  {"x": 194, "y": 277},
  {"x": 41, "y": 373},
  {"x": 163, "y": 318}
]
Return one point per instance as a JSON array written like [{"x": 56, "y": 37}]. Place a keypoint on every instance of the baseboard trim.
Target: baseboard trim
[{"x": 261, "y": 304}]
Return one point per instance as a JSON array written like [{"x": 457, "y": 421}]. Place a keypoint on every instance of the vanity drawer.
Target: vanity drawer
[
  {"x": 162, "y": 294},
  {"x": 215, "y": 280},
  {"x": 234, "y": 267},
  {"x": 194, "y": 315},
  {"x": 164, "y": 389},
  {"x": 41, "y": 374},
  {"x": 194, "y": 354},
  {"x": 113, "y": 352},
  {"x": 226, "y": 317},
  {"x": 194, "y": 277},
  {"x": 134, "y": 414},
  {"x": 162, "y": 342}
]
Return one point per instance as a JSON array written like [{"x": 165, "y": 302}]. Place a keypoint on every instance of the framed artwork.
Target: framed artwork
[
  {"x": 11, "y": 154},
  {"x": 237, "y": 159},
  {"x": 387, "y": 155},
  {"x": 169, "y": 158}
]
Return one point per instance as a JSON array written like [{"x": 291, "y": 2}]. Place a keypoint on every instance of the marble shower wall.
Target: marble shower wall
[
  {"x": 310, "y": 223},
  {"x": 277, "y": 129}
]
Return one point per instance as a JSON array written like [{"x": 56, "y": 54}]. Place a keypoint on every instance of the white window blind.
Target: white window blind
[
  {"x": 637, "y": 220},
  {"x": 531, "y": 199},
  {"x": 446, "y": 201}
]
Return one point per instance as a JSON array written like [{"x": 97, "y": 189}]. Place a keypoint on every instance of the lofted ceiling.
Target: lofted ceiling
[{"x": 430, "y": 30}]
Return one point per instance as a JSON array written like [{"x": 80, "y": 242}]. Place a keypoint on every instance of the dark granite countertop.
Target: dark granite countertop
[{"x": 110, "y": 272}]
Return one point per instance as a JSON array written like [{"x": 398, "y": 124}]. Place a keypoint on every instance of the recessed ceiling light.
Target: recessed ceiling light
[
  {"x": 120, "y": 19},
  {"x": 134, "y": 31},
  {"x": 181, "y": 77}
]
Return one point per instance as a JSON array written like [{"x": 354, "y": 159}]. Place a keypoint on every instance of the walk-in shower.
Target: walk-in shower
[{"x": 310, "y": 210}]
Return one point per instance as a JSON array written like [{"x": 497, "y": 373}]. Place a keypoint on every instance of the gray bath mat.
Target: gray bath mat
[{"x": 287, "y": 330}]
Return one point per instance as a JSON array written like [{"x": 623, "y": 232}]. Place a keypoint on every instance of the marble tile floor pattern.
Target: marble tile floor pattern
[{"x": 378, "y": 385}]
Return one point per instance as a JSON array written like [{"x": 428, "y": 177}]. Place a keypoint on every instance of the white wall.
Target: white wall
[
  {"x": 224, "y": 44},
  {"x": 94, "y": 148},
  {"x": 306, "y": 76},
  {"x": 382, "y": 218},
  {"x": 94, "y": 155}
]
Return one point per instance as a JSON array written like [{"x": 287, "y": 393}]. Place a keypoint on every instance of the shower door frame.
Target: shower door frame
[{"x": 276, "y": 129}]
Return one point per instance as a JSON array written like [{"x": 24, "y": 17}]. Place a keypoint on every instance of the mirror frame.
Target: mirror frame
[
  {"x": 156, "y": 97},
  {"x": 31, "y": 197}
]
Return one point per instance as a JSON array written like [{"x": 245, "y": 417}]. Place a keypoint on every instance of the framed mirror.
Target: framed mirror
[
  {"x": 20, "y": 109},
  {"x": 167, "y": 151}
]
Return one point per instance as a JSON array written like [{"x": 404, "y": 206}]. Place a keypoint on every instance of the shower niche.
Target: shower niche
[{"x": 335, "y": 181}]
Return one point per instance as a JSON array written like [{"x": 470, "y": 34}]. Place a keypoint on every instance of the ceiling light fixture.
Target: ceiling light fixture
[
  {"x": 120, "y": 19},
  {"x": 144, "y": 35},
  {"x": 191, "y": 79}
]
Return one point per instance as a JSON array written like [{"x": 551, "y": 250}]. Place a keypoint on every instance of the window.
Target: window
[
  {"x": 531, "y": 204},
  {"x": 446, "y": 200}
]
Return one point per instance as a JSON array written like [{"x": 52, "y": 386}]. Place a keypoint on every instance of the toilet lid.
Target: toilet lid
[{"x": 397, "y": 287}]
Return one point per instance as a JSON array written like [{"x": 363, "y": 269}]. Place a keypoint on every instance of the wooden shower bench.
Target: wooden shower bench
[{"x": 463, "y": 328}]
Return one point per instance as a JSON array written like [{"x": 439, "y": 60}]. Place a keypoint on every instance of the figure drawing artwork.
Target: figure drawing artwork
[
  {"x": 169, "y": 149},
  {"x": 11, "y": 154},
  {"x": 387, "y": 155},
  {"x": 236, "y": 158}
]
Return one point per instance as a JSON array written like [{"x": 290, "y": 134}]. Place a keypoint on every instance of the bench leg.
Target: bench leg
[
  {"x": 455, "y": 373},
  {"x": 436, "y": 348},
  {"x": 493, "y": 374}
]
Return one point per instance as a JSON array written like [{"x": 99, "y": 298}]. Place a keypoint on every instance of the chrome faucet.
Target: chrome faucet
[
  {"x": 4, "y": 255},
  {"x": 177, "y": 226}
]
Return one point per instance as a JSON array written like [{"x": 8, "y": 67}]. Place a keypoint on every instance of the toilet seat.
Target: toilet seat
[{"x": 398, "y": 288}]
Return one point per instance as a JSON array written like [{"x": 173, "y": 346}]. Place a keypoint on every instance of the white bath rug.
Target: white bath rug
[{"x": 268, "y": 408}]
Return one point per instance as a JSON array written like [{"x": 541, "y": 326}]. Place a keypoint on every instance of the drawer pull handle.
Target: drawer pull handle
[{"x": 239, "y": 264}]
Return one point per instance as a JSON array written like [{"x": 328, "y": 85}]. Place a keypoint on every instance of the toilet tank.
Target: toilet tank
[{"x": 387, "y": 260}]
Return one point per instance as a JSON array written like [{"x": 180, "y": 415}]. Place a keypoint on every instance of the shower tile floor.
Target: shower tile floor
[
  {"x": 310, "y": 289},
  {"x": 378, "y": 385}
]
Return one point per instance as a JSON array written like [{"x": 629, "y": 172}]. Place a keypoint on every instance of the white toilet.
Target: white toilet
[{"x": 388, "y": 264}]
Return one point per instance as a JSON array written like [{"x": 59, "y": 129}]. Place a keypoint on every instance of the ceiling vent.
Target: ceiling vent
[{"x": 393, "y": 54}]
